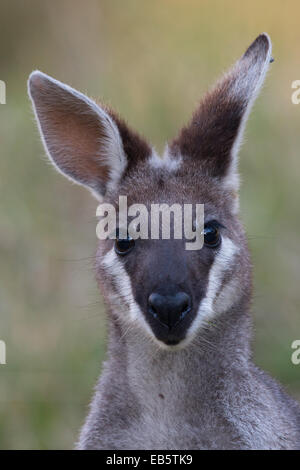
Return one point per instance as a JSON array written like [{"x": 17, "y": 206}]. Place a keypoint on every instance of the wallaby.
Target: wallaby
[{"x": 179, "y": 372}]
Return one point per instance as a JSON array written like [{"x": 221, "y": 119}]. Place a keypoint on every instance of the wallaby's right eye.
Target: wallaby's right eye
[{"x": 124, "y": 245}]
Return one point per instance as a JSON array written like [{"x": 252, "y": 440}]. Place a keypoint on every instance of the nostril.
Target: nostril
[
  {"x": 184, "y": 304},
  {"x": 153, "y": 303},
  {"x": 169, "y": 309}
]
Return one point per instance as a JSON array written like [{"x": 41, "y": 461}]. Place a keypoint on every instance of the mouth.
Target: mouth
[
  {"x": 171, "y": 337},
  {"x": 172, "y": 342}
]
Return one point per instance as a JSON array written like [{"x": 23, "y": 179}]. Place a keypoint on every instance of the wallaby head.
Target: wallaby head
[{"x": 158, "y": 287}]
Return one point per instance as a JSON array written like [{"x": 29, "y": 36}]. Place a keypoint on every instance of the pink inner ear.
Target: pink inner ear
[
  {"x": 78, "y": 144},
  {"x": 72, "y": 130},
  {"x": 88, "y": 143}
]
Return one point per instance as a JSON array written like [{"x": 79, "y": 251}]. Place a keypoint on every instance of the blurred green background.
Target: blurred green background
[{"x": 151, "y": 61}]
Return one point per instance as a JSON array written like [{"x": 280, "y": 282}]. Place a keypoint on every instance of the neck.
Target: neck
[
  {"x": 217, "y": 351},
  {"x": 151, "y": 393}
]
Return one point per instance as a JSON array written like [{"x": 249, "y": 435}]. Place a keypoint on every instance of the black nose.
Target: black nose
[{"x": 169, "y": 309}]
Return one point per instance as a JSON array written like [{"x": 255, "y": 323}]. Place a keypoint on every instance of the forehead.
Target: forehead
[{"x": 185, "y": 185}]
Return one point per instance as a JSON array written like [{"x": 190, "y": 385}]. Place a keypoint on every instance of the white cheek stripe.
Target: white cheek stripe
[
  {"x": 121, "y": 279},
  {"x": 223, "y": 261}
]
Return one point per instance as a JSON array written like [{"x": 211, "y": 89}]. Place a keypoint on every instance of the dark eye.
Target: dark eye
[
  {"x": 212, "y": 236},
  {"x": 124, "y": 245}
]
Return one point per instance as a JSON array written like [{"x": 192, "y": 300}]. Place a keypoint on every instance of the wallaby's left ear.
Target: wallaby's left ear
[
  {"x": 214, "y": 133},
  {"x": 87, "y": 143}
]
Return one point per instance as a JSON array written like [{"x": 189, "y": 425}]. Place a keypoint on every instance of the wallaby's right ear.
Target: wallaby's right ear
[{"x": 88, "y": 144}]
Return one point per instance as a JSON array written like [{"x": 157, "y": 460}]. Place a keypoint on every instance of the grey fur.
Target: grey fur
[
  {"x": 213, "y": 396},
  {"x": 205, "y": 393}
]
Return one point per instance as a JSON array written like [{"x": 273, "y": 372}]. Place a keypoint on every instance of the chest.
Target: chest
[{"x": 170, "y": 431}]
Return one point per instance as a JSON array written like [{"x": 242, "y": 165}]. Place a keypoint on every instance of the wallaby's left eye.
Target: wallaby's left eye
[
  {"x": 124, "y": 245},
  {"x": 212, "y": 236}
]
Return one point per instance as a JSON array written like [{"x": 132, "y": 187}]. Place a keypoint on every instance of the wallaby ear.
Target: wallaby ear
[
  {"x": 214, "y": 134},
  {"x": 89, "y": 144}
]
